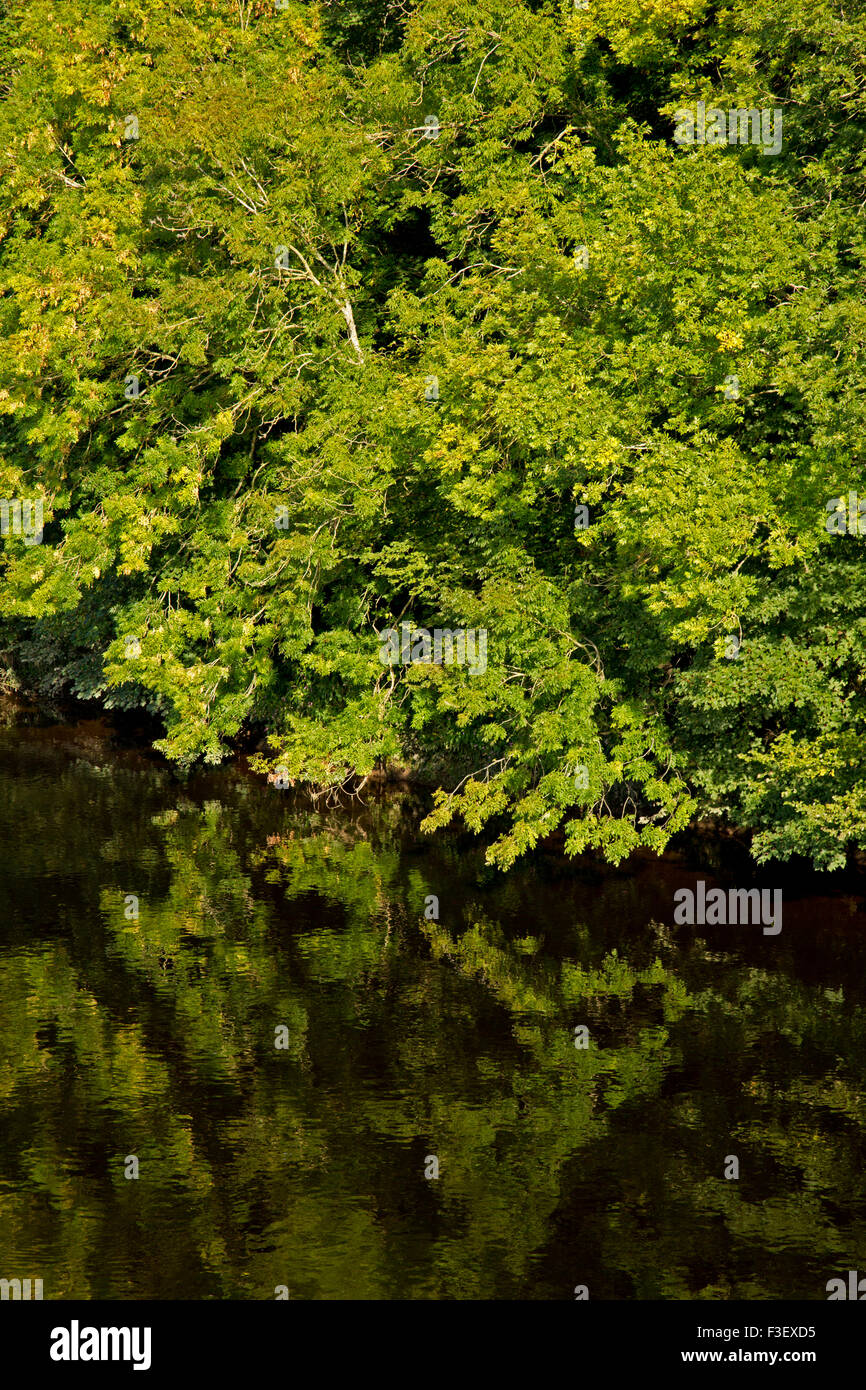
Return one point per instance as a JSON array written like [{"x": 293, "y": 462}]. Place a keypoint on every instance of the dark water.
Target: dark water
[{"x": 407, "y": 1039}]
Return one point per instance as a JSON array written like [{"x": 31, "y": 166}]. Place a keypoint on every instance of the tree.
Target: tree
[{"x": 371, "y": 304}]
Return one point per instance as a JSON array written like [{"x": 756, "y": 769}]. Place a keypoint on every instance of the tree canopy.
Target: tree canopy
[{"x": 323, "y": 318}]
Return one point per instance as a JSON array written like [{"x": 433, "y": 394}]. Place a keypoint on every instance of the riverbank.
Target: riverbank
[{"x": 87, "y": 732}]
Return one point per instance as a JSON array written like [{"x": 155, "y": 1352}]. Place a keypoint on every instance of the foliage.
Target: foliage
[{"x": 283, "y": 258}]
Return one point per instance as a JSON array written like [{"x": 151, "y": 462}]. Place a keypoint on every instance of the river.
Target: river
[{"x": 254, "y": 1047}]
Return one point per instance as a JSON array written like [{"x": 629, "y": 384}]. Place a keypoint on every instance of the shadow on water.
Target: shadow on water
[{"x": 253, "y": 998}]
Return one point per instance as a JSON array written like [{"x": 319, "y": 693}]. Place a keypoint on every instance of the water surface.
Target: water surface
[{"x": 405, "y": 1039}]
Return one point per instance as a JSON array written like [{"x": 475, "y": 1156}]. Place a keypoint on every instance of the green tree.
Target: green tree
[{"x": 670, "y": 337}]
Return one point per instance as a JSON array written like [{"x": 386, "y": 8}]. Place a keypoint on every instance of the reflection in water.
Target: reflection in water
[{"x": 261, "y": 921}]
